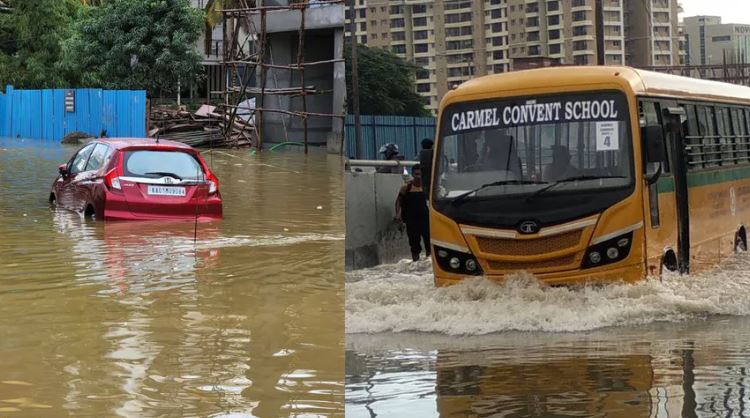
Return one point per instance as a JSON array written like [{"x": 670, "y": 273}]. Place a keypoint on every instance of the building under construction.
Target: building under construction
[{"x": 283, "y": 69}]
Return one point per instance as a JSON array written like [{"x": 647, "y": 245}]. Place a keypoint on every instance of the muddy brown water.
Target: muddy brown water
[{"x": 139, "y": 319}]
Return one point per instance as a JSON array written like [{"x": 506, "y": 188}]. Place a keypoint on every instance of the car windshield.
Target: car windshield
[
  {"x": 157, "y": 164},
  {"x": 528, "y": 148}
]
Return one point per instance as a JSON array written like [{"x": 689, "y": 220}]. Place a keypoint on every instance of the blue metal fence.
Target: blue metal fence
[
  {"x": 405, "y": 131},
  {"x": 41, "y": 114}
]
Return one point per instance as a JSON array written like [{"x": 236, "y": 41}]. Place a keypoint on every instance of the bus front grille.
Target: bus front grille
[
  {"x": 534, "y": 246},
  {"x": 532, "y": 266}
]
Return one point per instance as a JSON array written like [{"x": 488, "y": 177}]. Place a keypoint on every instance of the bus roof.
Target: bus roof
[{"x": 639, "y": 82}]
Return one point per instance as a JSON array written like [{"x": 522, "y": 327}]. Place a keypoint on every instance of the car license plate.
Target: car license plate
[{"x": 166, "y": 191}]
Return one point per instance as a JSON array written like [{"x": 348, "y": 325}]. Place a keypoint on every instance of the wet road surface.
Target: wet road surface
[
  {"x": 139, "y": 320},
  {"x": 662, "y": 348}
]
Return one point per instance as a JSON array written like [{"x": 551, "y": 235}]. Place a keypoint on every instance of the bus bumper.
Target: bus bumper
[{"x": 629, "y": 274}]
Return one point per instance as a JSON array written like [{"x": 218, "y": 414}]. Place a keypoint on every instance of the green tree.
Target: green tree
[
  {"x": 136, "y": 44},
  {"x": 31, "y": 38},
  {"x": 386, "y": 84}
]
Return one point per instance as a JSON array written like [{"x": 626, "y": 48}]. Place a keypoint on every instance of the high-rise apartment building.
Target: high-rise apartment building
[
  {"x": 454, "y": 40},
  {"x": 652, "y": 33},
  {"x": 708, "y": 41}
]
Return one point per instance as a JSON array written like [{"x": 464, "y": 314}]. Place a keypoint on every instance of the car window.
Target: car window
[
  {"x": 98, "y": 156},
  {"x": 155, "y": 164},
  {"x": 79, "y": 161}
]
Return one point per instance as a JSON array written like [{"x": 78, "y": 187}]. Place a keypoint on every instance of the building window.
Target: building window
[
  {"x": 532, "y": 36},
  {"x": 579, "y": 3},
  {"x": 423, "y": 88},
  {"x": 420, "y": 21},
  {"x": 397, "y": 23},
  {"x": 398, "y": 36},
  {"x": 554, "y": 49},
  {"x": 423, "y": 74},
  {"x": 422, "y": 61},
  {"x": 420, "y": 48},
  {"x": 498, "y": 55},
  {"x": 453, "y": 5},
  {"x": 532, "y": 22},
  {"x": 580, "y": 46},
  {"x": 532, "y": 8},
  {"x": 421, "y": 34},
  {"x": 497, "y": 41},
  {"x": 581, "y": 60},
  {"x": 362, "y": 13},
  {"x": 535, "y": 50},
  {"x": 399, "y": 49},
  {"x": 419, "y": 8},
  {"x": 553, "y": 6},
  {"x": 363, "y": 26},
  {"x": 465, "y": 44},
  {"x": 580, "y": 30},
  {"x": 579, "y": 16},
  {"x": 553, "y": 20},
  {"x": 721, "y": 38},
  {"x": 397, "y": 10},
  {"x": 554, "y": 34}
]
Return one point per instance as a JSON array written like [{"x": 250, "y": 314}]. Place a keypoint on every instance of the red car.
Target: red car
[{"x": 132, "y": 179}]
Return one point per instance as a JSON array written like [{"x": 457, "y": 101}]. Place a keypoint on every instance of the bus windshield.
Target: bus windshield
[{"x": 523, "y": 149}]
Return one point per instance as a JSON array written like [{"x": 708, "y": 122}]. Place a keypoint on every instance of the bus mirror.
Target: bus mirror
[
  {"x": 653, "y": 138},
  {"x": 653, "y": 172}
]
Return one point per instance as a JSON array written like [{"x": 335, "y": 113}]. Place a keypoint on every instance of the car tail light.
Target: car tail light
[
  {"x": 112, "y": 180},
  {"x": 213, "y": 184}
]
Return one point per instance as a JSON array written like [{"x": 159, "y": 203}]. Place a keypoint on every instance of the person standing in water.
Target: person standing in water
[{"x": 411, "y": 209}]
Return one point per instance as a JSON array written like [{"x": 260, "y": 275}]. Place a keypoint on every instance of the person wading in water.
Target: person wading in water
[{"x": 411, "y": 208}]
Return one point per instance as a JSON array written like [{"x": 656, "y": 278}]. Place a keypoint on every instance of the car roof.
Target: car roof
[{"x": 141, "y": 143}]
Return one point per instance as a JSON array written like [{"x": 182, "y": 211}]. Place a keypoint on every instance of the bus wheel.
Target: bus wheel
[
  {"x": 669, "y": 261},
  {"x": 740, "y": 240}
]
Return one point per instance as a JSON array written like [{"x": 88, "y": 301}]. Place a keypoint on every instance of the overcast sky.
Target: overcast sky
[{"x": 731, "y": 11}]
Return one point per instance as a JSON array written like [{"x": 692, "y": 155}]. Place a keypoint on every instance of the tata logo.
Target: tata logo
[
  {"x": 528, "y": 227},
  {"x": 168, "y": 180}
]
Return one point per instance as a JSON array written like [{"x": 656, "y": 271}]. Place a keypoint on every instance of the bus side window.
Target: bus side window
[
  {"x": 725, "y": 139},
  {"x": 693, "y": 139}
]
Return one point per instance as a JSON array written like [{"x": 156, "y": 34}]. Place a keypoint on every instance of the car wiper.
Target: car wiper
[
  {"x": 463, "y": 196},
  {"x": 164, "y": 173},
  {"x": 567, "y": 180}
]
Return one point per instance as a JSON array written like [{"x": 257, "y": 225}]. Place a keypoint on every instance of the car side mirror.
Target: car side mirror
[{"x": 63, "y": 169}]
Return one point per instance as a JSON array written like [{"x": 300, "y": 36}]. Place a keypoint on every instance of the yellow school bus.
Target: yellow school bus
[{"x": 589, "y": 173}]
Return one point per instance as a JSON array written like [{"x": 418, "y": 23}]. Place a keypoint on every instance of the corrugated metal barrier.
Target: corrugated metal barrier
[
  {"x": 52, "y": 114},
  {"x": 405, "y": 131}
]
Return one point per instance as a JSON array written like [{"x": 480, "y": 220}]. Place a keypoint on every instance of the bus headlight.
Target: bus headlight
[
  {"x": 456, "y": 261},
  {"x": 609, "y": 251}
]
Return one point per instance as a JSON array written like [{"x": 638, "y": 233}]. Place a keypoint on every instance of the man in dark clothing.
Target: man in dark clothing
[
  {"x": 425, "y": 163},
  {"x": 411, "y": 208}
]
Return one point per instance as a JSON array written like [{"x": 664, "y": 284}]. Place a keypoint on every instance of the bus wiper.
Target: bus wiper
[
  {"x": 463, "y": 196},
  {"x": 567, "y": 180},
  {"x": 164, "y": 173}
]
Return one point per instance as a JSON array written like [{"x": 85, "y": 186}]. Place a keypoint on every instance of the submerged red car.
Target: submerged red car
[{"x": 132, "y": 179}]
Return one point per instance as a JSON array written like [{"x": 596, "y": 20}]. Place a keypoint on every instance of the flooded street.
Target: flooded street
[
  {"x": 243, "y": 318},
  {"x": 669, "y": 348}
]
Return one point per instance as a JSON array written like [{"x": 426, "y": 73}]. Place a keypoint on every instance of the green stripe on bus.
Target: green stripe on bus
[{"x": 666, "y": 184}]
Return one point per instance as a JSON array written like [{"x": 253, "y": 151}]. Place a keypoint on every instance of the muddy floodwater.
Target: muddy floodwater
[
  {"x": 676, "y": 347},
  {"x": 145, "y": 319}
]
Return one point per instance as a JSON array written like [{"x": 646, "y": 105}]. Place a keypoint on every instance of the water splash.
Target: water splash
[{"x": 401, "y": 297}]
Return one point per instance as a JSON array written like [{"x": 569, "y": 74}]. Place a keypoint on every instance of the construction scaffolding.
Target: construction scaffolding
[{"x": 247, "y": 58}]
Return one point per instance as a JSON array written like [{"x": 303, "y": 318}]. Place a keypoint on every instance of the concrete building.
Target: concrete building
[
  {"x": 708, "y": 41},
  {"x": 652, "y": 33},
  {"x": 454, "y": 40},
  {"x": 324, "y": 41}
]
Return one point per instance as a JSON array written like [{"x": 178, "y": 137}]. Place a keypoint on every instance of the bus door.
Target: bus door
[{"x": 673, "y": 119}]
